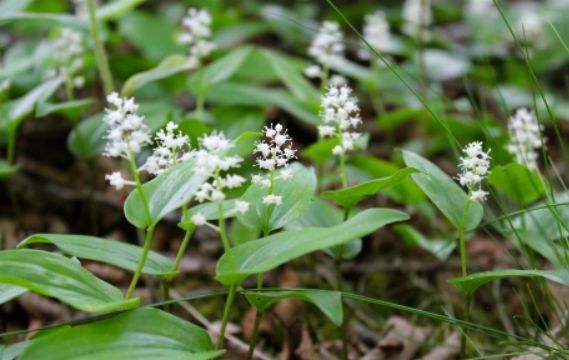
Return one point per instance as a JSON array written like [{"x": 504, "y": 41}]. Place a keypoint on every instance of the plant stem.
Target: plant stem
[
  {"x": 324, "y": 80},
  {"x": 69, "y": 87},
  {"x": 11, "y": 146},
  {"x": 182, "y": 249},
  {"x": 257, "y": 325},
  {"x": 464, "y": 271},
  {"x": 100, "y": 54},
  {"x": 138, "y": 272},
  {"x": 200, "y": 102},
  {"x": 224, "y": 321},
  {"x": 134, "y": 172}
]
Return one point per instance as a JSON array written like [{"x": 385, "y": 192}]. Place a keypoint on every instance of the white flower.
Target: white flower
[
  {"x": 313, "y": 72},
  {"x": 67, "y": 52},
  {"x": 273, "y": 199},
  {"x": 273, "y": 151},
  {"x": 525, "y": 138},
  {"x": 196, "y": 34},
  {"x": 5, "y": 86},
  {"x": 127, "y": 134},
  {"x": 198, "y": 219},
  {"x": 328, "y": 43},
  {"x": 211, "y": 159},
  {"x": 417, "y": 17},
  {"x": 241, "y": 206},
  {"x": 261, "y": 181},
  {"x": 341, "y": 114},
  {"x": 474, "y": 167},
  {"x": 116, "y": 180},
  {"x": 171, "y": 148},
  {"x": 377, "y": 33}
]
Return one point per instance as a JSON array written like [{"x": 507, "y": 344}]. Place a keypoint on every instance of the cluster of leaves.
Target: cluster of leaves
[{"x": 237, "y": 87}]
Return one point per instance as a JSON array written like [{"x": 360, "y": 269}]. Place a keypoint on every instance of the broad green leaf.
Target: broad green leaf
[
  {"x": 170, "y": 66},
  {"x": 517, "y": 182},
  {"x": 407, "y": 192},
  {"x": 440, "y": 248},
  {"x": 57, "y": 19},
  {"x": 470, "y": 283},
  {"x": 265, "y": 254},
  {"x": 291, "y": 77},
  {"x": 27, "y": 103},
  {"x": 13, "y": 351},
  {"x": 349, "y": 197},
  {"x": 62, "y": 278},
  {"x": 444, "y": 193},
  {"x": 329, "y": 302},
  {"x": 9, "y": 292},
  {"x": 119, "y": 254},
  {"x": 70, "y": 109},
  {"x": 296, "y": 195},
  {"x": 234, "y": 34},
  {"x": 324, "y": 214},
  {"x": 87, "y": 139},
  {"x": 219, "y": 71},
  {"x": 165, "y": 193},
  {"x": 252, "y": 95},
  {"x": 6, "y": 169},
  {"x": 144, "y": 333}
]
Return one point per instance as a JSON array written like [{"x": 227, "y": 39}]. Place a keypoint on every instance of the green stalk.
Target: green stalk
[
  {"x": 138, "y": 272},
  {"x": 324, "y": 80},
  {"x": 100, "y": 54},
  {"x": 224, "y": 321},
  {"x": 464, "y": 271},
  {"x": 69, "y": 86},
  {"x": 200, "y": 104},
  {"x": 266, "y": 230}
]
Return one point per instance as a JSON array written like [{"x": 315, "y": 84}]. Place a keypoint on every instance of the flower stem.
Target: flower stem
[
  {"x": 324, "y": 80},
  {"x": 224, "y": 321},
  {"x": 100, "y": 54},
  {"x": 134, "y": 173},
  {"x": 464, "y": 271},
  {"x": 138, "y": 272},
  {"x": 69, "y": 87}
]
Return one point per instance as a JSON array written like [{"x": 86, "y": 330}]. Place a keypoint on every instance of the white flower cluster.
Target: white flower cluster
[
  {"x": 377, "y": 33},
  {"x": 474, "y": 167},
  {"x": 127, "y": 133},
  {"x": 275, "y": 152},
  {"x": 67, "y": 52},
  {"x": 171, "y": 148},
  {"x": 417, "y": 17},
  {"x": 199, "y": 219},
  {"x": 340, "y": 113},
  {"x": 525, "y": 138},
  {"x": 327, "y": 45},
  {"x": 196, "y": 34},
  {"x": 211, "y": 159}
]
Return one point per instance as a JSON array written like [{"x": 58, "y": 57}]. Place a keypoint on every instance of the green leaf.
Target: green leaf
[
  {"x": 470, "y": 283},
  {"x": 169, "y": 66},
  {"x": 62, "y": 278},
  {"x": 329, "y": 302},
  {"x": 119, "y": 254},
  {"x": 517, "y": 182},
  {"x": 70, "y": 109},
  {"x": 265, "y": 254},
  {"x": 144, "y": 333},
  {"x": 252, "y": 95},
  {"x": 87, "y": 139},
  {"x": 57, "y": 19},
  {"x": 165, "y": 193},
  {"x": 444, "y": 193},
  {"x": 13, "y": 351},
  {"x": 296, "y": 194},
  {"x": 349, "y": 197},
  {"x": 9, "y": 292},
  {"x": 27, "y": 103},
  {"x": 323, "y": 214},
  {"x": 440, "y": 248},
  {"x": 6, "y": 169},
  {"x": 219, "y": 71},
  {"x": 291, "y": 77}
]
